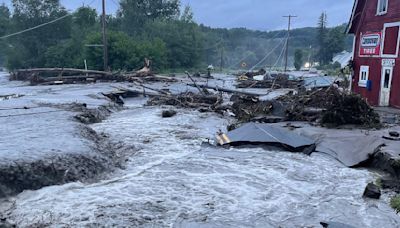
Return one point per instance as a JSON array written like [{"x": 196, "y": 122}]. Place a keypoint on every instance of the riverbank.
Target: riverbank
[{"x": 43, "y": 144}]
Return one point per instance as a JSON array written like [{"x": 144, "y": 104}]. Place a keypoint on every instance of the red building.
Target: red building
[{"x": 376, "y": 26}]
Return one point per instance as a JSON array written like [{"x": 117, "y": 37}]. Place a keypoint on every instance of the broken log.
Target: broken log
[
  {"x": 62, "y": 70},
  {"x": 145, "y": 93},
  {"x": 217, "y": 88},
  {"x": 194, "y": 82}
]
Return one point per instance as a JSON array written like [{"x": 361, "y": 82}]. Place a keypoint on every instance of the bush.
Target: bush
[
  {"x": 125, "y": 53},
  {"x": 395, "y": 203}
]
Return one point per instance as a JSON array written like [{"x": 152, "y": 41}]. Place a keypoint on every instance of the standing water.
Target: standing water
[{"x": 174, "y": 181}]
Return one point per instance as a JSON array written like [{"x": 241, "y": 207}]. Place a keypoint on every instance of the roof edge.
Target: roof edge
[{"x": 350, "y": 24}]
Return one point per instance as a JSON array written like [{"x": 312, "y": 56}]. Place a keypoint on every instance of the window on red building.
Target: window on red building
[
  {"x": 391, "y": 42},
  {"x": 382, "y": 7}
]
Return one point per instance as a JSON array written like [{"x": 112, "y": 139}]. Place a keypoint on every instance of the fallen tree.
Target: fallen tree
[{"x": 51, "y": 76}]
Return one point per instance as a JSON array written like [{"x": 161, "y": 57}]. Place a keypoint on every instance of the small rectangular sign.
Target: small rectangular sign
[
  {"x": 370, "y": 44},
  {"x": 388, "y": 62}
]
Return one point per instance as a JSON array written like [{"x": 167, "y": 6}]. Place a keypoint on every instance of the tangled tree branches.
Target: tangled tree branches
[{"x": 188, "y": 100}]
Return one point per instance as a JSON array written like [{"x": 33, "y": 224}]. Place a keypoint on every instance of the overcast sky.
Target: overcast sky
[{"x": 253, "y": 14}]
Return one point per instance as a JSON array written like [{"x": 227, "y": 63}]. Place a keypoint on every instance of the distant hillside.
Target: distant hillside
[{"x": 249, "y": 46}]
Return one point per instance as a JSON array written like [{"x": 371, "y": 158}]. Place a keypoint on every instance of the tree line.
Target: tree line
[{"x": 161, "y": 30}]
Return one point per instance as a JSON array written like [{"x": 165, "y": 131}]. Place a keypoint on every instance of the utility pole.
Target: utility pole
[
  {"x": 222, "y": 55},
  {"x": 105, "y": 51},
  {"x": 222, "y": 59},
  {"x": 287, "y": 41}
]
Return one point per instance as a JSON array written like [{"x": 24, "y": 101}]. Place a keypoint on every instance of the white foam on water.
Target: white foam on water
[{"x": 172, "y": 181}]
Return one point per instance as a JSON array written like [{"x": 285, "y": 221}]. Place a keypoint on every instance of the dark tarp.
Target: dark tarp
[{"x": 255, "y": 133}]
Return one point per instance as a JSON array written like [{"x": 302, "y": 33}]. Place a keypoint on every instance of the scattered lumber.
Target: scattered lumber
[
  {"x": 217, "y": 88},
  {"x": 278, "y": 82},
  {"x": 63, "y": 71},
  {"x": 188, "y": 100},
  {"x": 246, "y": 108}
]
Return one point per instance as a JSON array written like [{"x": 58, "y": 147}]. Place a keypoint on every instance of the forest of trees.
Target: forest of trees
[{"x": 161, "y": 30}]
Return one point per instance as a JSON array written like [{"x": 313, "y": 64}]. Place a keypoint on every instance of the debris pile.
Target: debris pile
[
  {"x": 54, "y": 76},
  {"x": 331, "y": 107},
  {"x": 246, "y": 107},
  {"x": 57, "y": 76},
  {"x": 187, "y": 100},
  {"x": 277, "y": 82}
]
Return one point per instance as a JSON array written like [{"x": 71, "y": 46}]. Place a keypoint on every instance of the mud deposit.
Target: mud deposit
[{"x": 174, "y": 181}]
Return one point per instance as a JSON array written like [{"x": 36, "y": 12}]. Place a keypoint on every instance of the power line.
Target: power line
[
  {"x": 41, "y": 25},
  {"x": 277, "y": 60},
  {"x": 36, "y": 27},
  {"x": 262, "y": 60},
  {"x": 272, "y": 38}
]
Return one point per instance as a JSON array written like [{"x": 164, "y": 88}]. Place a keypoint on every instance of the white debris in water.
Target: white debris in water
[{"x": 172, "y": 181}]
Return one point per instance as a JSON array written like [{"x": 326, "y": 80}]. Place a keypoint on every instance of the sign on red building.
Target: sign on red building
[{"x": 370, "y": 44}]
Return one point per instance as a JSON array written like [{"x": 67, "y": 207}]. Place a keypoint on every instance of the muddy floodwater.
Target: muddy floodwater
[{"x": 174, "y": 180}]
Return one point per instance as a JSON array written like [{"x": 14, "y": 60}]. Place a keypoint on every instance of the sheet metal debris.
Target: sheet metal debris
[{"x": 255, "y": 133}]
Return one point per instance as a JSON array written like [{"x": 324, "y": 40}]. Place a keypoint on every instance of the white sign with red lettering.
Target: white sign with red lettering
[{"x": 370, "y": 44}]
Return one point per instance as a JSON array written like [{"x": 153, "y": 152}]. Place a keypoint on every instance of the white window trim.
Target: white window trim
[
  {"x": 378, "y": 13},
  {"x": 389, "y": 25},
  {"x": 363, "y": 83}
]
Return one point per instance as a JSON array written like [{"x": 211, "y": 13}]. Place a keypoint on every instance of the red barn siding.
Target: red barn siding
[
  {"x": 391, "y": 38},
  {"x": 365, "y": 20}
]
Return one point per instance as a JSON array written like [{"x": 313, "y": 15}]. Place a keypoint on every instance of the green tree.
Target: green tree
[
  {"x": 134, "y": 14},
  {"x": 187, "y": 15},
  {"x": 85, "y": 18},
  {"x": 298, "y": 59},
  {"x": 125, "y": 53},
  {"x": 70, "y": 53},
  {"x": 4, "y": 19},
  {"x": 28, "y": 50},
  {"x": 183, "y": 41},
  {"x": 335, "y": 42},
  {"x": 322, "y": 39},
  {"x": 4, "y": 28}
]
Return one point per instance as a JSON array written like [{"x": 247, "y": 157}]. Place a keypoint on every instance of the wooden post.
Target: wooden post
[
  {"x": 105, "y": 51},
  {"x": 287, "y": 41}
]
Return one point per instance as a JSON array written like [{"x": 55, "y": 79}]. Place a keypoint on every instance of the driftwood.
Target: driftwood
[
  {"x": 194, "y": 83},
  {"x": 70, "y": 75},
  {"x": 62, "y": 70},
  {"x": 227, "y": 90},
  {"x": 188, "y": 100},
  {"x": 277, "y": 82}
]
